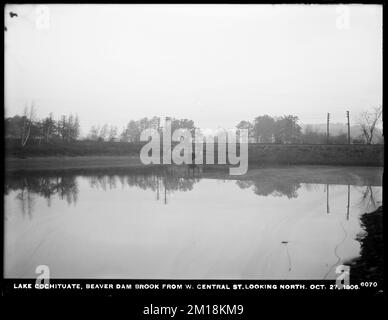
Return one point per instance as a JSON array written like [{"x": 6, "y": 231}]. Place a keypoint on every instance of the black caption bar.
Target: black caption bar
[{"x": 219, "y": 288}]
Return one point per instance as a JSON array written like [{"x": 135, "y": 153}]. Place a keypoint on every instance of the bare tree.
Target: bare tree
[
  {"x": 94, "y": 133},
  {"x": 112, "y": 133},
  {"x": 368, "y": 121},
  {"x": 69, "y": 126},
  {"x": 28, "y": 118},
  {"x": 104, "y": 132},
  {"x": 48, "y": 127}
]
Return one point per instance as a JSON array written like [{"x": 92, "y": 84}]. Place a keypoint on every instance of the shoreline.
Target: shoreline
[
  {"x": 129, "y": 161},
  {"x": 258, "y": 154},
  {"x": 69, "y": 163},
  {"x": 89, "y": 165},
  {"x": 369, "y": 266}
]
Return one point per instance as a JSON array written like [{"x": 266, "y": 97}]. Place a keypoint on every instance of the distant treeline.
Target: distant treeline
[
  {"x": 263, "y": 129},
  {"x": 286, "y": 130},
  {"x": 131, "y": 133},
  {"x": 26, "y": 129},
  {"x": 283, "y": 130}
]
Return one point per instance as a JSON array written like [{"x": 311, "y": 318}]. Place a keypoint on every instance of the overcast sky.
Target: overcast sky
[{"x": 215, "y": 64}]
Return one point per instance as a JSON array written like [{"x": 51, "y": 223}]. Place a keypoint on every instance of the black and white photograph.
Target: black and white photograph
[{"x": 161, "y": 147}]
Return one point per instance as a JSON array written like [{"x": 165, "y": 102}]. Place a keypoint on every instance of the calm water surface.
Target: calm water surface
[{"x": 165, "y": 225}]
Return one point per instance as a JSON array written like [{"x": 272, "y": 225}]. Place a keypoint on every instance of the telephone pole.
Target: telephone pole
[
  {"x": 347, "y": 115},
  {"x": 327, "y": 129},
  {"x": 347, "y": 213}
]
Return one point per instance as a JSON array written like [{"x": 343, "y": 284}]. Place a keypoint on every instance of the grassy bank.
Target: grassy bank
[
  {"x": 259, "y": 154},
  {"x": 70, "y": 163},
  {"x": 348, "y": 155},
  {"x": 73, "y": 149}
]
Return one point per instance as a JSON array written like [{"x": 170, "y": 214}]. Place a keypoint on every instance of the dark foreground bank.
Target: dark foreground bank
[{"x": 370, "y": 265}]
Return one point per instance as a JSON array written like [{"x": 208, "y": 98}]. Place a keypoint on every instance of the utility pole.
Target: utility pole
[
  {"x": 347, "y": 115},
  {"x": 165, "y": 189},
  {"x": 157, "y": 188},
  {"x": 327, "y": 129},
  {"x": 347, "y": 214},
  {"x": 165, "y": 194}
]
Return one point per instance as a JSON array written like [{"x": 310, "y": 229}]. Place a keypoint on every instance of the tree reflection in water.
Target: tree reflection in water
[
  {"x": 277, "y": 188},
  {"x": 28, "y": 187},
  {"x": 367, "y": 200},
  {"x": 163, "y": 181},
  {"x": 65, "y": 186}
]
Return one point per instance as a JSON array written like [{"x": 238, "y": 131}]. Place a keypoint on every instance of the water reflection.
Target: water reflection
[
  {"x": 30, "y": 187},
  {"x": 65, "y": 186},
  {"x": 163, "y": 183},
  {"x": 368, "y": 199},
  {"x": 116, "y": 224},
  {"x": 276, "y": 188}
]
